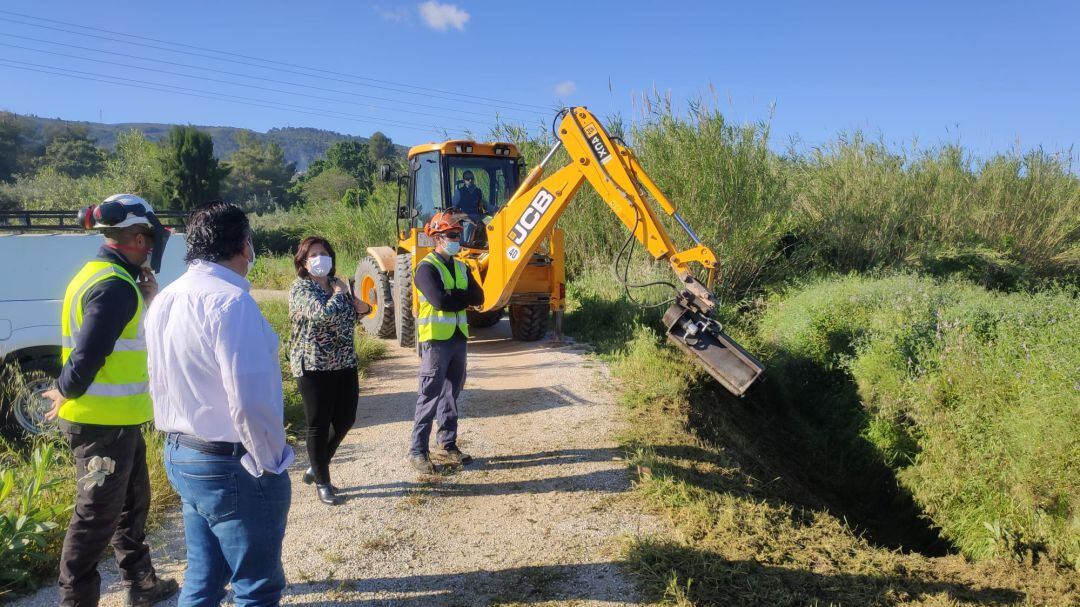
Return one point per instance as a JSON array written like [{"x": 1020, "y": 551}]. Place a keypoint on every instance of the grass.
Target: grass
[
  {"x": 749, "y": 525},
  {"x": 969, "y": 397},
  {"x": 57, "y": 477}
]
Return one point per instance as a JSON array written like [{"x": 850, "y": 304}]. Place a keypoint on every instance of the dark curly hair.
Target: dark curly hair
[
  {"x": 305, "y": 248},
  {"x": 216, "y": 231}
]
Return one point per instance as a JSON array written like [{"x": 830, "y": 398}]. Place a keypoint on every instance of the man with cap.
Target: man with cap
[
  {"x": 468, "y": 197},
  {"x": 102, "y": 401}
]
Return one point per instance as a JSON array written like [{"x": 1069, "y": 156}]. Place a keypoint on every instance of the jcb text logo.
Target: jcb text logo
[
  {"x": 596, "y": 142},
  {"x": 528, "y": 220}
]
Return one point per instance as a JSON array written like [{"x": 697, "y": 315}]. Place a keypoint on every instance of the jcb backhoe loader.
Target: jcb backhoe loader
[{"x": 513, "y": 247}]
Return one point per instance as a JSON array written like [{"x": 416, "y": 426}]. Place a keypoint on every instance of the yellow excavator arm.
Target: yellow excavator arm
[{"x": 529, "y": 217}]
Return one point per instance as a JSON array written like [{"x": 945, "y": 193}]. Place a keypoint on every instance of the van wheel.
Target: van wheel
[{"x": 28, "y": 406}]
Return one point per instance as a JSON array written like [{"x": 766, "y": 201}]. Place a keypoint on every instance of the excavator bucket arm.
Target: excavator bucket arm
[{"x": 516, "y": 231}]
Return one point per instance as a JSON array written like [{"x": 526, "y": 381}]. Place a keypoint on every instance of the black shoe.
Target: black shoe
[
  {"x": 309, "y": 478},
  {"x": 452, "y": 456},
  {"x": 150, "y": 590},
  {"x": 421, "y": 463},
  {"x": 327, "y": 494}
]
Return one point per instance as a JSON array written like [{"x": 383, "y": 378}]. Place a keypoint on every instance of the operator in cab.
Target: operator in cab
[
  {"x": 468, "y": 198},
  {"x": 445, "y": 288}
]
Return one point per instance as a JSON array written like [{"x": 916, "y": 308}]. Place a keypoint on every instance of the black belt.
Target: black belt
[{"x": 206, "y": 446}]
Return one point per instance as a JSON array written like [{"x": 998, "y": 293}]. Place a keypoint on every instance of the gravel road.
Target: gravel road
[{"x": 536, "y": 519}]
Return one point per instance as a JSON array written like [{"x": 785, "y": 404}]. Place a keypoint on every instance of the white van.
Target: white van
[{"x": 34, "y": 273}]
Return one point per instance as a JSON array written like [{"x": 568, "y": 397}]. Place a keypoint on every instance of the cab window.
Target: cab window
[{"x": 427, "y": 186}]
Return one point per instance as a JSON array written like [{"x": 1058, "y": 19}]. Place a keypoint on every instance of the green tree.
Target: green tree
[
  {"x": 72, "y": 152},
  {"x": 380, "y": 148},
  {"x": 136, "y": 166},
  {"x": 331, "y": 184},
  {"x": 352, "y": 157},
  {"x": 13, "y": 133},
  {"x": 192, "y": 176},
  {"x": 258, "y": 174},
  {"x": 346, "y": 157}
]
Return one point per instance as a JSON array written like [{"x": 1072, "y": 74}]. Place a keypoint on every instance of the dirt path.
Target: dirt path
[{"x": 537, "y": 518}]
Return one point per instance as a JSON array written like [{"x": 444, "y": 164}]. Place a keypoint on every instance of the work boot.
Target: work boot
[
  {"x": 421, "y": 463},
  {"x": 150, "y": 589},
  {"x": 452, "y": 456}
]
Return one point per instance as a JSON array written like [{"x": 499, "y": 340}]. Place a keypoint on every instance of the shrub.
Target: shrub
[{"x": 970, "y": 396}]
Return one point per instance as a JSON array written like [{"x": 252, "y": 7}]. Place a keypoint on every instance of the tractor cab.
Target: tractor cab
[{"x": 478, "y": 178}]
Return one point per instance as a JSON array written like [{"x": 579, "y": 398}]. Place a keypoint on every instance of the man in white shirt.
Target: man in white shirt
[{"x": 216, "y": 385}]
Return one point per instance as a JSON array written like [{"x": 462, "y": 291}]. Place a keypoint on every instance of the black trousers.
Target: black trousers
[
  {"x": 330, "y": 410},
  {"x": 114, "y": 512}
]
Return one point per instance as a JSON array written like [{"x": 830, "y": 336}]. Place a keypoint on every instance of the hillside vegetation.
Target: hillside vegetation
[{"x": 301, "y": 145}]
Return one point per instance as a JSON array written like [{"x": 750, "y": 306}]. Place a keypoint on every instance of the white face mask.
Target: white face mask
[
  {"x": 320, "y": 266},
  {"x": 251, "y": 262}
]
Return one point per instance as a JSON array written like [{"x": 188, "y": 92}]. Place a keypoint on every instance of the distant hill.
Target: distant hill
[{"x": 301, "y": 145}]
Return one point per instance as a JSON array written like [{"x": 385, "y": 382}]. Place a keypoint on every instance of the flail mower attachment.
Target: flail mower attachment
[{"x": 695, "y": 333}]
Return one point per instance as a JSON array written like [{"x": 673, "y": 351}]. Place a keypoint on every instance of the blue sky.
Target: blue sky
[{"x": 992, "y": 75}]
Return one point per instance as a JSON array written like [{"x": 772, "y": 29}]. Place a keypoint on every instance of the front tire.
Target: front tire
[
  {"x": 404, "y": 322},
  {"x": 373, "y": 288},
  {"x": 529, "y": 322}
]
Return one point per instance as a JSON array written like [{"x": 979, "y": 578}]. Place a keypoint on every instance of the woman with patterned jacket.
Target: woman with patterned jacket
[{"x": 322, "y": 356}]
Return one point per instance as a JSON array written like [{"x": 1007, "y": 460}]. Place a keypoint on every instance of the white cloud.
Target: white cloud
[
  {"x": 442, "y": 17},
  {"x": 396, "y": 15},
  {"x": 565, "y": 88}
]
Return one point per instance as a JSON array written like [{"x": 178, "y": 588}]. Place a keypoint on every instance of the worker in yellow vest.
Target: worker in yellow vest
[
  {"x": 103, "y": 399},
  {"x": 445, "y": 288}
]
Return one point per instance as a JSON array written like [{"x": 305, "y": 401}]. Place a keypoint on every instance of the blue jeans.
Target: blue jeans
[{"x": 234, "y": 524}]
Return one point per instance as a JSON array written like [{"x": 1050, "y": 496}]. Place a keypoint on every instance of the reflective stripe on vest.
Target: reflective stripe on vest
[
  {"x": 434, "y": 324},
  {"x": 120, "y": 392}
]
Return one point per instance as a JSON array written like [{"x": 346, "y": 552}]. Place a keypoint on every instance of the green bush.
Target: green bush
[
  {"x": 32, "y": 493},
  {"x": 970, "y": 396}
]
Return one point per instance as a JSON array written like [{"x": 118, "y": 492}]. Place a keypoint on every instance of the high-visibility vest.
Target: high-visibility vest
[
  {"x": 120, "y": 392},
  {"x": 432, "y": 323}
]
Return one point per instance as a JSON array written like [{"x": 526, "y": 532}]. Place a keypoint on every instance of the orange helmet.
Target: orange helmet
[{"x": 444, "y": 221}]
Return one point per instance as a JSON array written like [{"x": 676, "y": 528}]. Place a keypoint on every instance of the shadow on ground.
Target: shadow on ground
[{"x": 734, "y": 583}]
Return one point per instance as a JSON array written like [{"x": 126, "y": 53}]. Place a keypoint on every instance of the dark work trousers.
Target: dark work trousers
[
  {"x": 330, "y": 410},
  {"x": 442, "y": 376},
  {"x": 114, "y": 512}
]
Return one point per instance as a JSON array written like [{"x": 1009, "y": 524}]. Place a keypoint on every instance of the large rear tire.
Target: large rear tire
[
  {"x": 404, "y": 322},
  {"x": 482, "y": 320},
  {"x": 529, "y": 322},
  {"x": 373, "y": 288}
]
